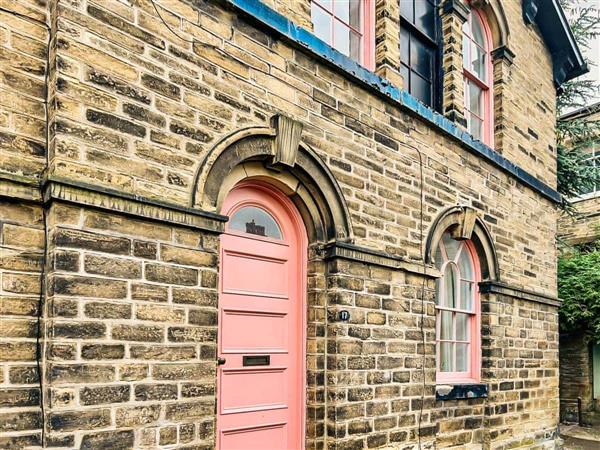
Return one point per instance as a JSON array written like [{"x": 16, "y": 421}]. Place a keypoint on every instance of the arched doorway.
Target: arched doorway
[{"x": 262, "y": 324}]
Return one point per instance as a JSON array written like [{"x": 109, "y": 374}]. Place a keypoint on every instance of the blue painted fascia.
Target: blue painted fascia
[{"x": 307, "y": 40}]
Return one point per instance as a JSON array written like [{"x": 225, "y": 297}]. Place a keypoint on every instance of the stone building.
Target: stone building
[
  {"x": 248, "y": 225},
  {"x": 579, "y": 357}
]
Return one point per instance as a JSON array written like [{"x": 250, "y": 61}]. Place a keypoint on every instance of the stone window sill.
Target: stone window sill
[{"x": 463, "y": 391}]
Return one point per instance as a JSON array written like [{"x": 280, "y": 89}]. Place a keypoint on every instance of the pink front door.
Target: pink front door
[{"x": 261, "y": 386}]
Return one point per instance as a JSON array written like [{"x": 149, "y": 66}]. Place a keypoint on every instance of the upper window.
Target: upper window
[
  {"x": 592, "y": 189},
  {"x": 478, "y": 77},
  {"x": 420, "y": 49},
  {"x": 457, "y": 312},
  {"x": 254, "y": 220},
  {"x": 348, "y": 26}
]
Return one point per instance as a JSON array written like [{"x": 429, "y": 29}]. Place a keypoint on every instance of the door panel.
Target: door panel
[
  {"x": 265, "y": 437},
  {"x": 261, "y": 327},
  {"x": 246, "y": 322}
]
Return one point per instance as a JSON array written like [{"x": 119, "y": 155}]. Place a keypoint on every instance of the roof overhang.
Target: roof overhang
[{"x": 552, "y": 22}]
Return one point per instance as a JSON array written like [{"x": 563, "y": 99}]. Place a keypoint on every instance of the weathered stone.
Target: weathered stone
[
  {"x": 98, "y": 395},
  {"x": 163, "y": 352},
  {"x": 149, "y": 292},
  {"x": 198, "y": 297},
  {"x": 102, "y": 351},
  {"x": 187, "y": 256},
  {"x": 114, "y": 440},
  {"x": 112, "y": 267},
  {"x": 79, "y": 420},
  {"x": 189, "y": 371},
  {"x": 145, "y": 392},
  {"x": 107, "y": 310},
  {"x": 161, "y": 86},
  {"x": 92, "y": 241},
  {"x": 138, "y": 333},
  {"x": 76, "y": 330},
  {"x": 115, "y": 122},
  {"x": 78, "y": 373},
  {"x": 89, "y": 287},
  {"x": 163, "y": 273}
]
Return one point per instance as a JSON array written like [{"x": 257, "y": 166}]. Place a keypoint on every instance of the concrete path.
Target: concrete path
[{"x": 578, "y": 438}]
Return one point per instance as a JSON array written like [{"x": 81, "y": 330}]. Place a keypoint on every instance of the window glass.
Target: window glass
[
  {"x": 419, "y": 47},
  {"x": 462, "y": 357},
  {"x": 446, "y": 326},
  {"x": 456, "y": 312},
  {"x": 341, "y": 8},
  {"x": 420, "y": 58},
  {"x": 339, "y": 24},
  {"x": 341, "y": 37},
  {"x": 462, "y": 327},
  {"x": 446, "y": 357},
  {"x": 356, "y": 12},
  {"x": 466, "y": 296},
  {"x": 322, "y": 23},
  {"x": 420, "y": 88},
  {"x": 404, "y": 45},
  {"x": 465, "y": 264},
  {"x": 475, "y": 99},
  {"x": 407, "y": 9},
  {"x": 477, "y": 31},
  {"x": 478, "y": 62},
  {"x": 449, "y": 287},
  {"x": 253, "y": 220},
  {"x": 424, "y": 17},
  {"x": 451, "y": 246},
  {"x": 592, "y": 161},
  {"x": 478, "y": 86}
]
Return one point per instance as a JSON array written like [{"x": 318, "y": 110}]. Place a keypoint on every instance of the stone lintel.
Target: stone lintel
[
  {"x": 365, "y": 255},
  {"x": 496, "y": 287},
  {"x": 16, "y": 187},
  {"x": 108, "y": 199}
]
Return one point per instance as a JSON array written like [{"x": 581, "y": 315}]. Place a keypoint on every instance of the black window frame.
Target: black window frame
[{"x": 435, "y": 44}]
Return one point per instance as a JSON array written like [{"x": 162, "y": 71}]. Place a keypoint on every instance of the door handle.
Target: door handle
[{"x": 221, "y": 361}]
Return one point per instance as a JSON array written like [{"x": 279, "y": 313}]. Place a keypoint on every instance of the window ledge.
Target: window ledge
[
  {"x": 462, "y": 391},
  {"x": 584, "y": 197}
]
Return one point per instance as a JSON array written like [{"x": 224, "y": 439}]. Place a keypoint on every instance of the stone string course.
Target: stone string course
[{"x": 128, "y": 319}]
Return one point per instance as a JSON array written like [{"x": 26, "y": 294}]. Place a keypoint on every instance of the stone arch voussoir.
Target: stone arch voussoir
[{"x": 276, "y": 155}]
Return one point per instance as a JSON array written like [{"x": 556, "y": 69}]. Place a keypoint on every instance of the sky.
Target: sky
[{"x": 593, "y": 53}]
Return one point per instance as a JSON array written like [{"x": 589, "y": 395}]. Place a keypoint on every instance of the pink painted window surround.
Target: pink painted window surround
[
  {"x": 478, "y": 76},
  {"x": 348, "y": 26},
  {"x": 458, "y": 336}
]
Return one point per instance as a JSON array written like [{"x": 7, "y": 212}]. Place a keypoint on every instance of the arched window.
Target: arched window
[
  {"x": 477, "y": 63},
  {"x": 458, "y": 336},
  {"x": 254, "y": 220}
]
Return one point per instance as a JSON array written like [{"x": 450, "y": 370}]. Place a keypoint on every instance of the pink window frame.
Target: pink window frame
[
  {"x": 474, "y": 374},
  {"x": 487, "y": 87},
  {"x": 367, "y": 31}
]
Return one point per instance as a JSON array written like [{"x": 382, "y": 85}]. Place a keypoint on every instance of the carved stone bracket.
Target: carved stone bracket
[
  {"x": 456, "y": 7},
  {"x": 464, "y": 228},
  {"x": 287, "y": 140},
  {"x": 503, "y": 53}
]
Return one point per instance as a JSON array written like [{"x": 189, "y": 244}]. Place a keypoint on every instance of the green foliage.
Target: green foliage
[
  {"x": 574, "y": 135},
  {"x": 579, "y": 289}
]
